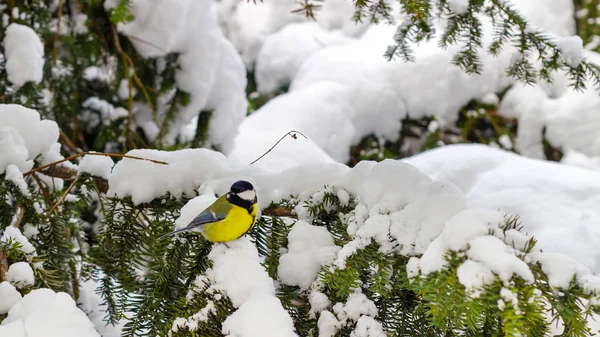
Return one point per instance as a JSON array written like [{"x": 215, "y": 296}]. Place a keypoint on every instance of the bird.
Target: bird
[{"x": 228, "y": 218}]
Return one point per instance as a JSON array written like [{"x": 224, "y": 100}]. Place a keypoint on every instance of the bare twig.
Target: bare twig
[
  {"x": 3, "y": 265},
  {"x": 18, "y": 216},
  {"x": 43, "y": 189},
  {"x": 68, "y": 142},
  {"x": 62, "y": 198},
  {"x": 92, "y": 154},
  {"x": 137, "y": 80},
  {"x": 291, "y": 134}
]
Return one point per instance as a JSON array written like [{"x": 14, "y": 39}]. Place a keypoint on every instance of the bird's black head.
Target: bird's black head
[
  {"x": 241, "y": 186},
  {"x": 242, "y": 194}
]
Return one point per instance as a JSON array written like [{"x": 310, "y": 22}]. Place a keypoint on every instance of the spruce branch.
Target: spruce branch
[{"x": 508, "y": 27}]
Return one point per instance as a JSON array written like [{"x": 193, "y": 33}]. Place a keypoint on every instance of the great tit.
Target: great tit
[{"x": 229, "y": 217}]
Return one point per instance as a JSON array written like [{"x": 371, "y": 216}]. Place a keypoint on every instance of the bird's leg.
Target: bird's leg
[{"x": 226, "y": 245}]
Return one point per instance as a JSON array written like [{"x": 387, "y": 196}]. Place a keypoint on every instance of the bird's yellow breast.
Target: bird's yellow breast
[{"x": 236, "y": 224}]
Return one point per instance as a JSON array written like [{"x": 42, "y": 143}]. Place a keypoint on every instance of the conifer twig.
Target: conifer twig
[
  {"x": 57, "y": 35},
  {"x": 62, "y": 198},
  {"x": 92, "y": 154},
  {"x": 290, "y": 133}
]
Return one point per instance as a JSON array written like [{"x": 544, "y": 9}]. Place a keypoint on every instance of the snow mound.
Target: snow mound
[
  {"x": 43, "y": 313},
  {"x": 284, "y": 52},
  {"x": 558, "y": 204},
  {"x": 209, "y": 69},
  {"x": 20, "y": 275},
  {"x": 9, "y": 296},
  {"x": 248, "y": 25},
  {"x": 24, "y": 54},
  {"x": 24, "y": 136},
  {"x": 99, "y": 166},
  {"x": 309, "y": 247}
]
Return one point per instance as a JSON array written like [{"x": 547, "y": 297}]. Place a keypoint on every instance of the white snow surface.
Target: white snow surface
[
  {"x": 558, "y": 204},
  {"x": 43, "y": 313},
  {"x": 24, "y": 54},
  {"x": 209, "y": 69},
  {"x": 20, "y": 274},
  {"x": 248, "y": 25},
  {"x": 99, "y": 166},
  {"x": 9, "y": 296},
  {"x": 238, "y": 273},
  {"x": 24, "y": 136},
  {"x": 309, "y": 247}
]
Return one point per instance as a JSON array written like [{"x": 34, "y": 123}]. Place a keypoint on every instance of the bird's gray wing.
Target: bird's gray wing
[
  {"x": 211, "y": 214},
  {"x": 215, "y": 212}
]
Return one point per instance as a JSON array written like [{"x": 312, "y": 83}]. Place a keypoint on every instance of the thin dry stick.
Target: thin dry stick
[
  {"x": 43, "y": 189},
  {"x": 19, "y": 216},
  {"x": 291, "y": 134},
  {"x": 118, "y": 155},
  {"x": 68, "y": 142},
  {"x": 3, "y": 264},
  {"x": 57, "y": 36},
  {"x": 62, "y": 198},
  {"x": 135, "y": 76}
]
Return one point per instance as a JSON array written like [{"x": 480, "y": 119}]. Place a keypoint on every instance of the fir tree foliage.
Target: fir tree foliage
[{"x": 537, "y": 55}]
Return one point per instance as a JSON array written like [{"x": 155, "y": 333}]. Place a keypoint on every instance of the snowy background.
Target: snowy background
[{"x": 339, "y": 89}]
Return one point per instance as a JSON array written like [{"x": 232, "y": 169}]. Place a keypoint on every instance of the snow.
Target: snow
[
  {"x": 328, "y": 325},
  {"x": 238, "y": 273},
  {"x": 579, "y": 159},
  {"x": 341, "y": 92},
  {"x": 309, "y": 247},
  {"x": 459, "y": 6},
  {"x": 474, "y": 275},
  {"x": 318, "y": 302},
  {"x": 24, "y": 136},
  {"x": 499, "y": 258},
  {"x": 357, "y": 305},
  {"x": 16, "y": 177},
  {"x": 558, "y": 204},
  {"x": 108, "y": 112},
  {"x": 209, "y": 69},
  {"x": 9, "y": 296},
  {"x": 560, "y": 270},
  {"x": 283, "y": 53},
  {"x": 99, "y": 166},
  {"x": 248, "y": 25},
  {"x": 42, "y": 313},
  {"x": 571, "y": 49},
  {"x": 13, "y": 234},
  {"x": 368, "y": 327},
  {"x": 20, "y": 275},
  {"x": 259, "y": 317},
  {"x": 24, "y": 54},
  {"x": 91, "y": 303}
]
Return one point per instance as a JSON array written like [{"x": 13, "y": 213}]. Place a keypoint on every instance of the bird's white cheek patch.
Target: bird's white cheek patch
[{"x": 247, "y": 195}]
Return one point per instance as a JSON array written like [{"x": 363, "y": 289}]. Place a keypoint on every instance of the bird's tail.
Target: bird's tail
[{"x": 186, "y": 229}]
